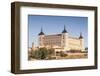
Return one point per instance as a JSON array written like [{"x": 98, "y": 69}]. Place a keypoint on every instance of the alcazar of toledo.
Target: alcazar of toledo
[{"x": 61, "y": 42}]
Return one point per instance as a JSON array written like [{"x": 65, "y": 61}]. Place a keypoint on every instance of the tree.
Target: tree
[
  {"x": 51, "y": 51},
  {"x": 42, "y": 53}
]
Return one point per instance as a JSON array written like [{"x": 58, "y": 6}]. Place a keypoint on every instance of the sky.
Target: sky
[{"x": 55, "y": 25}]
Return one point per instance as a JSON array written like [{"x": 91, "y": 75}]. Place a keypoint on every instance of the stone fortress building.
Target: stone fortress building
[{"x": 62, "y": 41}]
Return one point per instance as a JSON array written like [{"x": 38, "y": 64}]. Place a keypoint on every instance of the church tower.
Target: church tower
[
  {"x": 81, "y": 42},
  {"x": 64, "y": 43},
  {"x": 41, "y": 38}
]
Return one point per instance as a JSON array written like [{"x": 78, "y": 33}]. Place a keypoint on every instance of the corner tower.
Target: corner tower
[
  {"x": 41, "y": 38},
  {"x": 81, "y": 42},
  {"x": 65, "y": 39}
]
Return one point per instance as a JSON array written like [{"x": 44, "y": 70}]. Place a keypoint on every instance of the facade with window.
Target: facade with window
[{"x": 62, "y": 41}]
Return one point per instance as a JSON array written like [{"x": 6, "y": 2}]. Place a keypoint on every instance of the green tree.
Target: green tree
[
  {"x": 42, "y": 53},
  {"x": 51, "y": 51}
]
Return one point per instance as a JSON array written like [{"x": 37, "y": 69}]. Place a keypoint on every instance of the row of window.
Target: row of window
[{"x": 52, "y": 42}]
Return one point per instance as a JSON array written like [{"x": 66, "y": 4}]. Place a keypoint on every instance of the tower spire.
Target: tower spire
[
  {"x": 64, "y": 27},
  {"x": 80, "y": 37},
  {"x": 41, "y": 29},
  {"x": 64, "y": 31},
  {"x": 41, "y": 33}
]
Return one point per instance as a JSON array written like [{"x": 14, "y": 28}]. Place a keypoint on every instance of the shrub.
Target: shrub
[{"x": 62, "y": 54}]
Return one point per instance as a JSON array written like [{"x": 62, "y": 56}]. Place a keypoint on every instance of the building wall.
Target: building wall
[
  {"x": 41, "y": 40},
  {"x": 65, "y": 40},
  {"x": 61, "y": 40},
  {"x": 74, "y": 44},
  {"x": 52, "y": 40}
]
